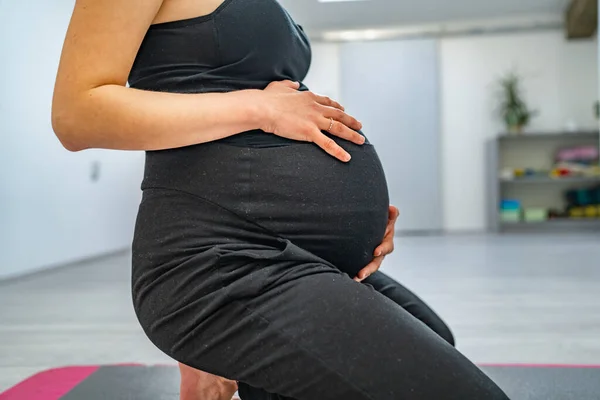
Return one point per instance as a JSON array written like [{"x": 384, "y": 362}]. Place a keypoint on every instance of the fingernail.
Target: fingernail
[
  {"x": 347, "y": 157},
  {"x": 379, "y": 253}
]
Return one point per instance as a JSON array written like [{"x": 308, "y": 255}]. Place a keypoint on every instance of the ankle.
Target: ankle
[{"x": 199, "y": 385}]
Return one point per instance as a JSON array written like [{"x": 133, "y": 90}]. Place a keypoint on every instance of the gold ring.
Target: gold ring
[{"x": 330, "y": 125}]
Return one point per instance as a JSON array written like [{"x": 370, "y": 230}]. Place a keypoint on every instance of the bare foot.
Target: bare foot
[{"x": 199, "y": 385}]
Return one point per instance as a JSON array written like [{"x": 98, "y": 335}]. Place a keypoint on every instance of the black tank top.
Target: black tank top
[{"x": 243, "y": 44}]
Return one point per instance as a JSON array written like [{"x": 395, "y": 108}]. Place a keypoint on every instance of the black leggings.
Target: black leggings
[
  {"x": 409, "y": 301},
  {"x": 398, "y": 294},
  {"x": 250, "y": 279}
]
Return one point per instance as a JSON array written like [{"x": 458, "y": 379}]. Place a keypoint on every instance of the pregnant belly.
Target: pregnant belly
[{"x": 337, "y": 211}]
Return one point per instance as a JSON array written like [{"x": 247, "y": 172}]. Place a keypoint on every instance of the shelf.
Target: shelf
[
  {"x": 553, "y": 225},
  {"x": 547, "y": 179},
  {"x": 537, "y": 150},
  {"x": 556, "y": 135}
]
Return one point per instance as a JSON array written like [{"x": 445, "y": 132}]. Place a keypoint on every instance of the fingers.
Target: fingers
[
  {"x": 291, "y": 84},
  {"x": 330, "y": 146},
  {"x": 326, "y": 101},
  {"x": 394, "y": 214},
  {"x": 344, "y": 126},
  {"x": 385, "y": 248},
  {"x": 342, "y": 117},
  {"x": 283, "y": 85},
  {"x": 369, "y": 269},
  {"x": 340, "y": 130}
]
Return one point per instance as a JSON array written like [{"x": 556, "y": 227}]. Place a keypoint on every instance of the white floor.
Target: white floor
[{"x": 508, "y": 299}]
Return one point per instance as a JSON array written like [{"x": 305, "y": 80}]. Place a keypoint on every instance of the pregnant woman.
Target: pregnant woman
[{"x": 261, "y": 202}]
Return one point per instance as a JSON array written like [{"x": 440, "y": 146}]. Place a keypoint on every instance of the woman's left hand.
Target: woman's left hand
[{"x": 385, "y": 248}]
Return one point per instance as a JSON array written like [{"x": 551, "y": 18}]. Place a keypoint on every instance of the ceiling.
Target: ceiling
[{"x": 316, "y": 16}]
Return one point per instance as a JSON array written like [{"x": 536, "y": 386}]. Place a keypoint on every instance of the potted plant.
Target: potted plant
[{"x": 513, "y": 110}]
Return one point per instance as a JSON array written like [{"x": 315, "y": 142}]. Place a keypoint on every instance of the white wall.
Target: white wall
[
  {"x": 560, "y": 80},
  {"x": 324, "y": 76},
  {"x": 50, "y": 210},
  {"x": 392, "y": 87}
]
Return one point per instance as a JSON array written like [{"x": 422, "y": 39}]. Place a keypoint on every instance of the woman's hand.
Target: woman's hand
[
  {"x": 303, "y": 116},
  {"x": 385, "y": 248}
]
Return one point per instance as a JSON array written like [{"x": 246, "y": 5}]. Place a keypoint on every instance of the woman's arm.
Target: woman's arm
[{"x": 92, "y": 108}]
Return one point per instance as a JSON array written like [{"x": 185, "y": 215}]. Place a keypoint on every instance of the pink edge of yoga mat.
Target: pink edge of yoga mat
[
  {"x": 55, "y": 383},
  {"x": 49, "y": 385}
]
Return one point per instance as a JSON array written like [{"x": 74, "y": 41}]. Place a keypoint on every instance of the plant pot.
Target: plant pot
[{"x": 516, "y": 129}]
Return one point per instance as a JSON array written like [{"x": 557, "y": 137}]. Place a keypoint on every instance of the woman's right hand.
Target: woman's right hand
[{"x": 303, "y": 115}]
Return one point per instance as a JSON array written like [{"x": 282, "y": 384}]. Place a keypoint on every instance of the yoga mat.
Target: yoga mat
[{"x": 139, "y": 382}]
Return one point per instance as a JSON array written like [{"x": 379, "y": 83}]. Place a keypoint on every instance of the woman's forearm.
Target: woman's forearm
[{"x": 117, "y": 117}]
